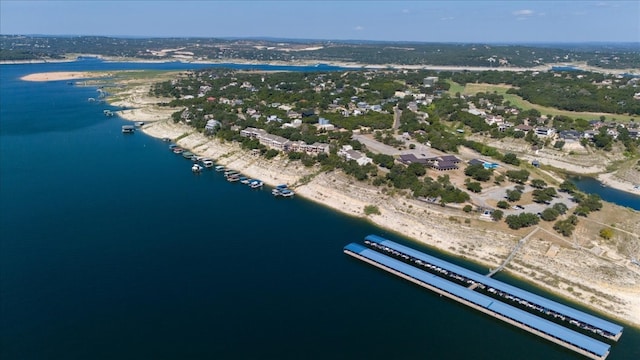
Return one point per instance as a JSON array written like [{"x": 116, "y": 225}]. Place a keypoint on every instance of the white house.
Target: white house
[{"x": 348, "y": 153}]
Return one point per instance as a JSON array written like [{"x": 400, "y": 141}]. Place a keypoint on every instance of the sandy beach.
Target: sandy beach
[
  {"x": 610, "y": 180},
  {"x": 62, "y": 75},
  {"x": 569, "y": 267}
]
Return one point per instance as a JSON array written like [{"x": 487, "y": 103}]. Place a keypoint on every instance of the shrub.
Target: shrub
[{"x": 371, "y": 210}]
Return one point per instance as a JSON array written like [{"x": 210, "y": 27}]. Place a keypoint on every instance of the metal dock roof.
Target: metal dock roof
[
  {"x": 532, "y": 321},
  {"x": 499, "y": 285}
]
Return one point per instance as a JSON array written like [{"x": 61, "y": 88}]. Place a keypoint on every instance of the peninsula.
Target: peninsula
[{"x": 577, "y": 246}]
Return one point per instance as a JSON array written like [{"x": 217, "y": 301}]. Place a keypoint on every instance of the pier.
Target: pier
[
  {"x": 546, "y": 329},
  {"x": 473, "y": 280}
]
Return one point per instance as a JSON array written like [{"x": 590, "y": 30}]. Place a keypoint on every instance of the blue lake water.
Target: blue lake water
[
  {"x": 110, "y": 248},
  {"x": 592, "y": 186}
]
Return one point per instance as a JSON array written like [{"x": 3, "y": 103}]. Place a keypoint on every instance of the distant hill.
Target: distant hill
[{"x": 265, "y": 49}]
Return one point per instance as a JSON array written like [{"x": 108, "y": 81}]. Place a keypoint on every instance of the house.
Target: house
[
  {"x": 348, "y": 153},
  {"x": 543, "y": 131},
  {"x": 212, "y": 125},
  {"x": 523, "y": 127},
  {"x": 430, "y": 81},
  {"x": 570, "y": 135},
  {"x": 412, "y": 159}
]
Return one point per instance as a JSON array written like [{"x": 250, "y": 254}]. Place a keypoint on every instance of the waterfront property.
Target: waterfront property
[
  {"x": 546, "y": 329},
  {"x": 505, "y": 291}
]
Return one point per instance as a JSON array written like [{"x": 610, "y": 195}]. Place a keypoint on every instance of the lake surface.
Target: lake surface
[
  {"x": 592, "y": 186},
  {"x": 110, "y": 248}
]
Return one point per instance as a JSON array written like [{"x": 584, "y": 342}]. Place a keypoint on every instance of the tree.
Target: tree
[
  {"x": 503, "y": 204},
  {"x": 476, "y": 187},
  {"x": 549, "y": 214},
  {"x": 513, "y": 195},
  {"x": 561, "y": 208},
  {"x": 496, "y": 215},
  {"x": 510, "y": 158},
  {"x": 467, "y": 208},
  {"x": 540, "y": 196},
  {"x": 538, "y": 183},
  {"x": 518, "y": 176},
  {"x": 417, "y": 169},
  {"x": 606, "y": 233},
  {"x": 564, "y": 227}
]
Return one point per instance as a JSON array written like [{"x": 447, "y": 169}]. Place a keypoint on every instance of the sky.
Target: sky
[{"x": 540, "y": 21}]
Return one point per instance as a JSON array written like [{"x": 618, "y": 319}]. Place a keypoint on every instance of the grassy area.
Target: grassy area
[{"x": 515, "y": 100}]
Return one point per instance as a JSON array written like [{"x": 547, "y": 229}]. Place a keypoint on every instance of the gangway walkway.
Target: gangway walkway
[{"x": 513, "y": 252}]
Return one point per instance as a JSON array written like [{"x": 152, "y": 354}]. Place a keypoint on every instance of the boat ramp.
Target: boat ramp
[{"x": 536, "y": 314}]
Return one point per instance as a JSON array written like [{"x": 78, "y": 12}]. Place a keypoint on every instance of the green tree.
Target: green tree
[
  {"x": 538, "y": 183},
  {"x": 496, "y": 215},
  {"x": 467, "y": 208},
  {"x": 476, "y": 187},
  {"x": 510, "y": 158},
  {"x": 503, "y": 204},
  {"x": 513, "y": 195},
  {"x": 549, "y": 214}
]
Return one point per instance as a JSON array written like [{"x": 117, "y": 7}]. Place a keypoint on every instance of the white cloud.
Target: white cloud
[
  {"x": 523, "y": 12},
  {"x": 358, "y": 28}
]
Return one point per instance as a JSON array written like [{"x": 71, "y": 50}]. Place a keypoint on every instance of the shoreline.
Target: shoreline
[
  {"x": 610, "y": 180},
  {"x": 405, "y": 217},
  {"x": 441, "y": 229},
  {"x": 344, "y": 64}
]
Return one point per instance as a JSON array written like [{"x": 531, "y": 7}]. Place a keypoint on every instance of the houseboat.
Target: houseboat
[
  {"x": 178, "y": 150},
  {"x": 233, "y": 177},
  {"x": 208, "y": 163},
  {"x": 128, "y": 129},
  {"x": 244, "y": 180},
  {"x": 219, "y": 168},
  {"x": 139, "y": 123},
  {"x": 196, "y": 168}
]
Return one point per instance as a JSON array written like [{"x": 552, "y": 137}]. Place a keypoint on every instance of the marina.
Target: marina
[
  {"x": 499, "y": 289},
  {"x": 546, "y": 329}
]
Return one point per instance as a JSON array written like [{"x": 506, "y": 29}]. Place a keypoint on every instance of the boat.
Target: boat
[
  {"x": 254, "y": 184},
  {"x": 178, "y": 150},
  {"x": 139, "y": 123},
  {"x": 187, "y": 154},
  {"x": 172, "y": 146},
  {"x": 207, "y": 163},
  {"x": 286, "y": 193},
  {"x": 233, "y": 178},
  {"x": 229, "y": 172},
  {"x": 166, "y": 139},
  {"x": 128, "y": 129},
  {"x": 244, "y": 180},
  {"x": 219, "y": 168},
  {"x": 108, "y": 113},
  {"x": 196, "y": 168}
]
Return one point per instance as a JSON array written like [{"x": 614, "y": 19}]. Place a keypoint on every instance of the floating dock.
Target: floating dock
[
  {"x": 520, "y": 318},
  {"x": 535, "y": 302}
]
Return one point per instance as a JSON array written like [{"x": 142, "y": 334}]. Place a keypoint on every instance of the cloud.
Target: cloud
[
  {"x": 358, "y": 28},
  {"x": 523, "y": 12},
  {"x": 405, "y": 11}
]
